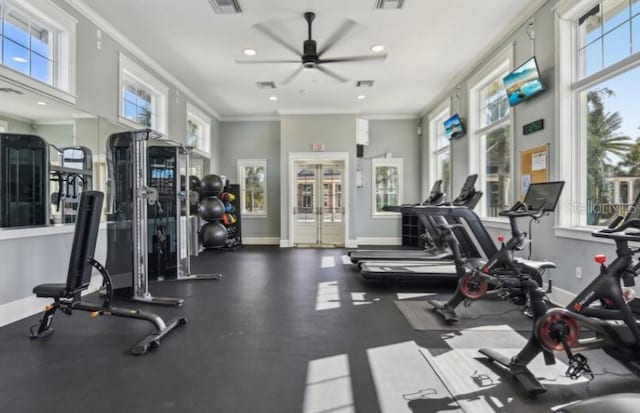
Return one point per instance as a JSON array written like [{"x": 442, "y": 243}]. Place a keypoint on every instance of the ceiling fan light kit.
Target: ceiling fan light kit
[{"x": 311, "y": 57}]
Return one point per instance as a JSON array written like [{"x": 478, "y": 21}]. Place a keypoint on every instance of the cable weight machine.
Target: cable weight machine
[{"x": 130, "y": 198}]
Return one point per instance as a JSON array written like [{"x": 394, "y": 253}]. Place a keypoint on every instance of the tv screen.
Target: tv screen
[
  {"x": 453, "y": 127},
  {"x": 523, "y": 83}
]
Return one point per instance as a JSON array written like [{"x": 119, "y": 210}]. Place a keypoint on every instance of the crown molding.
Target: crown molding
[
  {"x": 391, "y": 117},
  {"x": 487, "y": 53},
  {"x": 250, "y": 118},
  {"x": 136, "y": 51}
]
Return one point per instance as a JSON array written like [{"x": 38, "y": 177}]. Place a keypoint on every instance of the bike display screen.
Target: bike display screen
[{"x": 544, "y": 196}]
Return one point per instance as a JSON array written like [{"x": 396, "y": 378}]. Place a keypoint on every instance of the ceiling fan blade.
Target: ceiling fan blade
[
  {"x": 337, "y": 35},
  {"x": 332, "y": 74},
  {"x": 292, "y": 76},
  {"x": 267, "y": 32},
  {"x": 348, "y": 59},
  {"x": 250, "y": 62}
]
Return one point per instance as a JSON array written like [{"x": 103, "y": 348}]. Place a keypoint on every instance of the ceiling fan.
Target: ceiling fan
[{"x": 311, "y": 57}]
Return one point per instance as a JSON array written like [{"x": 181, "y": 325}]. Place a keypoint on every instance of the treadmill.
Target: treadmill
[
  {"x": 467, "y": 223},
  {"x": 439, "y": 250}
]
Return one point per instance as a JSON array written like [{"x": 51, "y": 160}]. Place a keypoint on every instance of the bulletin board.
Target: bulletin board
[{"x": 534, "y": 167}]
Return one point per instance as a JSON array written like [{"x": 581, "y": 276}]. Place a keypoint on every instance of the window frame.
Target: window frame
[
  {"x": 198, "y": 117},
  {"x": 386, "y": 162},
  {"x": 501, "y": 63},
  {"x": 570, "y": 123},
  {"x": 241, "y": 165},
  {"x": 438, "y": 116},
  {"x": 63, "y": 27},
  {"x": 130, "y": 72}
]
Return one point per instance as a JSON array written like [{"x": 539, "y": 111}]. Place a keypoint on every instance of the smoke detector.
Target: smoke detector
[
  {"x": 389, "y": 4},
  {"x": 226, "y": 6},
  {"x": 365, "y": 83},
  {"x": 266, "y": 85}
]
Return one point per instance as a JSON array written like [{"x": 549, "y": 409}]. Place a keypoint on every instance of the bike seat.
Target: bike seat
[
  {"x": 619, "y": 403},
  {"x": 536, "y": 265}
]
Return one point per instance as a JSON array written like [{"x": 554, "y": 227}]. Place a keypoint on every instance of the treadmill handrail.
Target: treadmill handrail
[{"x": 473, "y": 220}]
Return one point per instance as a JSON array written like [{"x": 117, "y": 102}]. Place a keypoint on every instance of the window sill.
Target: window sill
[
  {"x": 18, "y": 233},
  {"x": 393, "y": 215},
  {"x": 580, "y": 233},
  {"x": 253, "y": 216},
  {"x": 201, "y": 153},
  {"x": 496, "y": 223},
  {"x": 22, "y": 80},
  {"x": 130, "y": 123}
]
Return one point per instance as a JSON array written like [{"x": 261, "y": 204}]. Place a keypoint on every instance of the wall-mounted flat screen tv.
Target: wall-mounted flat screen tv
[
  {"x": 523, "y": 83},
  {"x": 453, "y": 127}
]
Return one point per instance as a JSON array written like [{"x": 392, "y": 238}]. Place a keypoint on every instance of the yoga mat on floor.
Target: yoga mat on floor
[{"x": 482, "y": 313}]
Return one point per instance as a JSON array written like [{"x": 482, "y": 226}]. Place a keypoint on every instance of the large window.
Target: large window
[
  {"x": 603, "y": 109},
  {"x": 143, "y": 98},
  {"x": 198, "y": 130},
  {"x": 37, "y": 43},
  {"x": 491, "y": 140},
  {"x": 386, "y": 185},
  {"x": 252, "y": 174},
  {"x": 440, "y": 148}
]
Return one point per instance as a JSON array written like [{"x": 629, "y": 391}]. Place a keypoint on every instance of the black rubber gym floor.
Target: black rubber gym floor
[{"x": 285, "y": 330}]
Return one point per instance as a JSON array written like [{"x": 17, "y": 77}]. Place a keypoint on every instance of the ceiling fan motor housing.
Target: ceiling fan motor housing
[{"x": 310, "y": 54}]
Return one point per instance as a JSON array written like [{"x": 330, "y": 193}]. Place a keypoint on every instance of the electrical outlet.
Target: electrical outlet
[{"x": 579, "y": 273}]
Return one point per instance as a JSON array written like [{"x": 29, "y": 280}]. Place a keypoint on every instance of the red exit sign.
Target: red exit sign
[{"x": 318, "y": 147}]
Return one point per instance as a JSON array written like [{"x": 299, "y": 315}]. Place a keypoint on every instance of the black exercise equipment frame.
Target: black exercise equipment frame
[
  {"x": 67, "y": 297},
  {"x": 558, "y": 325}
]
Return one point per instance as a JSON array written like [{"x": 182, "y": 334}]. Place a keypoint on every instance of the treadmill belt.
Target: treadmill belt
[{"x": 409, "y": 269}]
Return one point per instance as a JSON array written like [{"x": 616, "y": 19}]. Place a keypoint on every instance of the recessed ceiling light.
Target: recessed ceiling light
[
  {"x": 41, "y": 103},
  {"x": 19, "y": 59},
  {"x": 377, "y": 48},
  {"x": 274, "y": 98},
  {"x": 360, "y": 97},
  {"x": 249, "y": 52}
]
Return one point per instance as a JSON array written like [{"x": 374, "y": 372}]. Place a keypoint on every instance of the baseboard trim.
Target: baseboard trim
[
  {"x": 561, "y": 296},
  {"x": 379, "y": 241},
  {"x": 26, "y": 307},
  {"x": 260, "y": 241},
  {"x": 285, "y": 243},
  {"x": 351, "y": 243}
]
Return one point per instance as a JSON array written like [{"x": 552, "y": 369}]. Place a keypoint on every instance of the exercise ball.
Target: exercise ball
[
  {"x": 211, "y": 209},
  {"x": 210, "y": 185},
  {"x": 194, "y": 183},
  {"x": 213, "y": 235}
]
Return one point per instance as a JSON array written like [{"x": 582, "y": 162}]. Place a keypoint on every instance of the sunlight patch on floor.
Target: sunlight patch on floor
[
  {"x": 328, "y": 262},
  {"x": 328, "y": 296},
  {"x": 404, "y": 380},
  {"x": 328, "y": 386},
  {"x": 361, "y": 299}
]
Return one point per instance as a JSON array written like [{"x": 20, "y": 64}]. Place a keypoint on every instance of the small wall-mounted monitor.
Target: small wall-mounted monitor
[
  {"x": 453, "y": 127},
  {"x": 523, "y": 83}
]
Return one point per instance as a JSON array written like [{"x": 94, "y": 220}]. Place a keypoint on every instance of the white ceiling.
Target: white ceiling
[{"x": 428, "y": 43}]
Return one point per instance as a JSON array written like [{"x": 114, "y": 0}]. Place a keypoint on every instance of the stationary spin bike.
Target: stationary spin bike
[
  {"x": 610, "y": 314},
  {"x": 503, "y": 273}
]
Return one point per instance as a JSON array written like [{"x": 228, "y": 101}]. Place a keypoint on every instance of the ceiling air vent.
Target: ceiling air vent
[
  {"x": 226, "y": 6},
  {"x": 389, "y": 4},
  {"x": 365, "y": 83},
  {"x": 266, "y": 85},
  {"x": 10, "y": 91}
]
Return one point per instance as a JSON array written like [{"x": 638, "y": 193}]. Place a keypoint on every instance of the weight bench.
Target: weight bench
[{"x": 67, "y": 297}]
